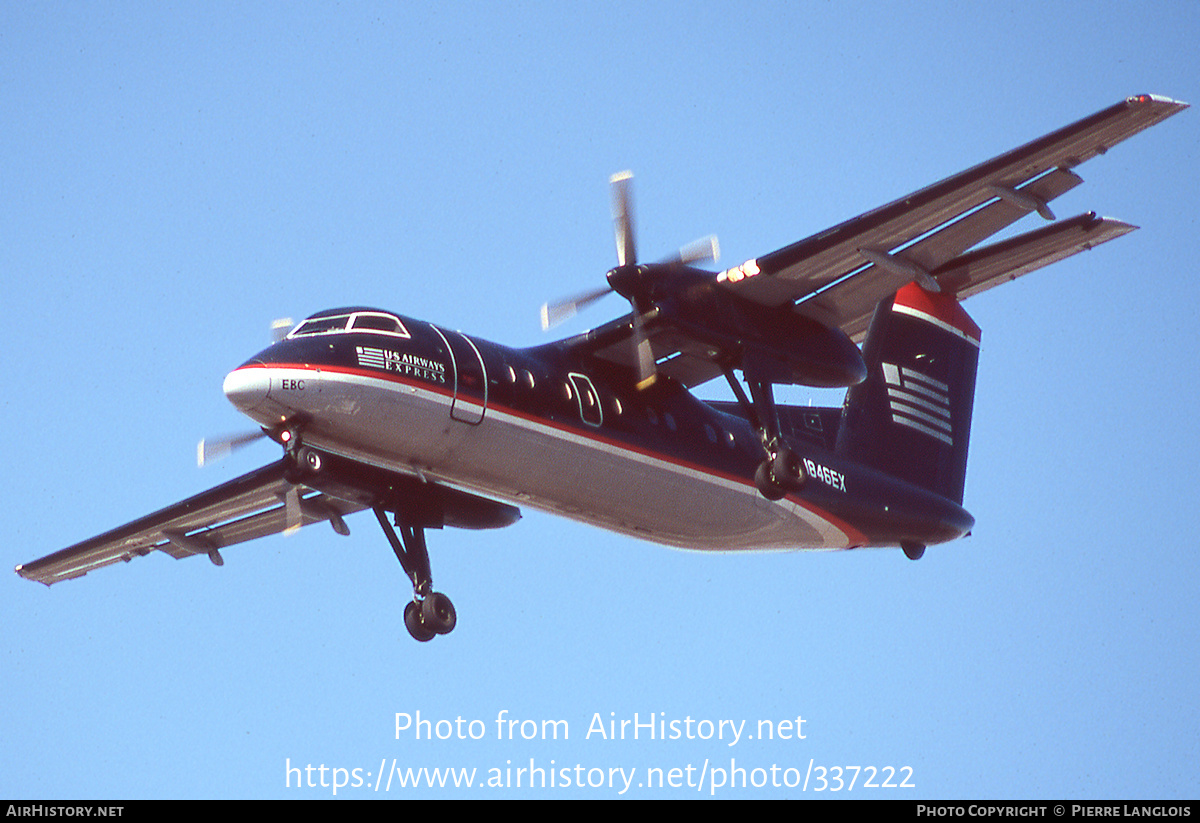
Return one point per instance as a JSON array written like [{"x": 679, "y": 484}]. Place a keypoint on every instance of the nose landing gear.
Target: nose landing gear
[{"x": 429, "y": 613}]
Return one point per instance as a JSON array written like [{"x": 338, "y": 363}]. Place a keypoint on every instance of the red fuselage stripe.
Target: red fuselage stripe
[{"x": 853, "y": 535}]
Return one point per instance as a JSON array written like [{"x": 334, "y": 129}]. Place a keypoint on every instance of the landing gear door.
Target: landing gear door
[{"x": 470, "y": 378}]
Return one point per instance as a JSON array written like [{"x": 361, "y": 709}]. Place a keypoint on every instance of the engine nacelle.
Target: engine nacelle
[
  {"x": 792, "y": 349},
  {"x": 772, "y": 345}
]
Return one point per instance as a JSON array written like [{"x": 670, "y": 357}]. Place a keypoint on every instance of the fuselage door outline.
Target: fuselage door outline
[
  {"x": 590, "y": 411},
  {"x": 467, "y": 366}
]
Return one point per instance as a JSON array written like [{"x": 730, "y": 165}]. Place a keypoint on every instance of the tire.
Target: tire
[
  {"x": 764, "y": 479},
  {"x": 787, "y": 470},
  {"x": 416, "y": 627},
  {"x": 437, "y": 613},
  {"x": 309, "y": 460}
]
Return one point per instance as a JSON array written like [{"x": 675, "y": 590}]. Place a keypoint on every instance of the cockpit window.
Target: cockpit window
[
  {"x": 373, "y": 321},
  {"x": 369, "y": 321},
  {"x": 321, "y": 325}
]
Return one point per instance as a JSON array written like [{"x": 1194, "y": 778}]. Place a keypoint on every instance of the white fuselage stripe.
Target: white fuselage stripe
[{"x": 549, "y": 477}]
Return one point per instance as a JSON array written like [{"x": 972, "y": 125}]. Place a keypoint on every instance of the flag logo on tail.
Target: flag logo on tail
[{"x": 919, "y": 402}]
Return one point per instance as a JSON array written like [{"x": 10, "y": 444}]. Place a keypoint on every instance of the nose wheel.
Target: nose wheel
[
  {"x": 430, "y": 617},
  {"x": 429, "y": 613}
]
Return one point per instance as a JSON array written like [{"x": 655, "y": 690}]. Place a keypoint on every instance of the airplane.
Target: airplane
[{"x": 429, "y": 427}]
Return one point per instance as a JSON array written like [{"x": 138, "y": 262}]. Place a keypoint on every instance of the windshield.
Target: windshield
[{"x": 371, "y": 321}]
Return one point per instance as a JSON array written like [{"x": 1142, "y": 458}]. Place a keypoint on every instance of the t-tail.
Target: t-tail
[{"x": 911, "y": 417}]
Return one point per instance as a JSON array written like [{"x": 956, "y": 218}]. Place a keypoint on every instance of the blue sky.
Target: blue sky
[{"x": 176, "y": 177}]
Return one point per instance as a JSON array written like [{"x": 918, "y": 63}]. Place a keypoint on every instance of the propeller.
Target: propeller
[
  {"x": 629, "y": 279},
  {"x": 212, "y": 449},
  {"x": 292, "y": 513},
  {"x": 280, "y": 328},
  {"x": 563, "y": 310}
]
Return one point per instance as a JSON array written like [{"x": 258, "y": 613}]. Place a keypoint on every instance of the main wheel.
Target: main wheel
[
  {"x": 309, "y": 460},
  {"x": 788, "y": 470},
  {"x": 764, "y": 479},
  {"x": 416, "y": 627},
  {"x": 437, "y": 613}
]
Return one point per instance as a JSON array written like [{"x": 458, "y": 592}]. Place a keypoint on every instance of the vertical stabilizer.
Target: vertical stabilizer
[{"x": 911, "y": 417}]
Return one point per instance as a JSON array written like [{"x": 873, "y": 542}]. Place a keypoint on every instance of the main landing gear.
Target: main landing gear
[
  {"x": 429, "y": 613},
  {"x": 781, "y": 470}
]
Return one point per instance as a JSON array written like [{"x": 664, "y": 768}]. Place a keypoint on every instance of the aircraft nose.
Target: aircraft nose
[{"x": 247, "y": 387}]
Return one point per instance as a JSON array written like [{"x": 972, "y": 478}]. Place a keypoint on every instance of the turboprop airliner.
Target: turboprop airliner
[{"x": 427, "y": 427}]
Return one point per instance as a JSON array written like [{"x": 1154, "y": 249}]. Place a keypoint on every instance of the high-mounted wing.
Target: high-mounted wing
[
  {"x": 266, "y": 501},
  {"x": 250, "y": 506},
  {"x": 839, "y": 275}
]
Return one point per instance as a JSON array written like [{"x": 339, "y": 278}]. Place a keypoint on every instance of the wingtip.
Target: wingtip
[
  {"x": 20, "y": 570},
  {"x": 1117, "y": 225},
  {"x": 1158, "y": 98}
]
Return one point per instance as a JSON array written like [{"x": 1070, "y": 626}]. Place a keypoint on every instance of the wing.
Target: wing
[
  {"x": 839, "y": 275},
  {"x": 250, "y": 506},
  {"x": 683, "y": 354},
  {"x": 265, "y": 502}
]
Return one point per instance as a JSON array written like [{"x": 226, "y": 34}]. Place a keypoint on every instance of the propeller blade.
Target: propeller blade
[
  {"x": 563, "y": 310},
  {"x": 280, "y": 328},
  {"x": 623, "y": 218},
  {"x": 210, "y": 450},
  {"x": 291, "y": 505},
  {"x": 646, "y": 371},
  {"x": 706, "y": 248}
]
